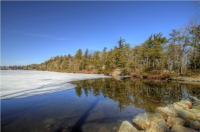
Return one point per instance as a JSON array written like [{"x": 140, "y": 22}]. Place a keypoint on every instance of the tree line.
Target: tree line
[{"x": 179, "y": 54}]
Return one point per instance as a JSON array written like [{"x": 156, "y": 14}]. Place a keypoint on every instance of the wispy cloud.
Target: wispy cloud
[
  {"x": 60, "y": 39},
  {"x": 37, "y": 35},
  {"x": 40, "y": 35}
]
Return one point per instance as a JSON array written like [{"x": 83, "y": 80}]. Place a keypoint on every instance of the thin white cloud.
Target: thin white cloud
[
  {"x": 60, "y": 39},
  {"x": 40, "y": 36},
  {"x": 37, "y": 35}
]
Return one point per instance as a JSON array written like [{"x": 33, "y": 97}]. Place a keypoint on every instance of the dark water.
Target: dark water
[{"x": 98, "y": 105}]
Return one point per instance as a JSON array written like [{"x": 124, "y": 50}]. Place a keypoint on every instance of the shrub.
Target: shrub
[
  {"x": 145, "y": 75},
  {"x": 169, "y": 75}
]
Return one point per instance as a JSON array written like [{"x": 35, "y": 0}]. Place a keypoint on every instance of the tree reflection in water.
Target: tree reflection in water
[{"x": 145, "y": 94}]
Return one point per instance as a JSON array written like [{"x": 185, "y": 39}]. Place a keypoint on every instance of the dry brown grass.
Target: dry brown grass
[{"x": 156, "y": 76}]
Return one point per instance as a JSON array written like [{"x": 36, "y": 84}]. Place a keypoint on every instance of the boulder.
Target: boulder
[
  {"x": 179, "y": 128},
  {"x": 196, "y": 113},
  {"x": 193, "y": 99},
  {"x": 117, "y": 72},
  {"x": 183, "y": 104},
  {"x": 186, "y": 115},
  {"x": 195, "y": 125},
  {"x": 127, "y": 127},
  {"x": 49, "y": 126},
  {"x": 118, "y": 122},
  {"x": 144, "y": 120},
  {"x": 166, "y": 111},
  {"x": 158, "y": 126},
  {"x": 175, "y": 120},
  {"x": 104, "y": 129},
  {"x": 162, "y": 124},
  {"x": 198, "y": 96},
  {"x": 196, "y": 105},
  {"x": 141, "y": 121},
  {"x": 187, "y": 102}
]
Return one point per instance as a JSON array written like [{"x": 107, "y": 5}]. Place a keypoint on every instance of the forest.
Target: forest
[{"x": 177, "y": 55}]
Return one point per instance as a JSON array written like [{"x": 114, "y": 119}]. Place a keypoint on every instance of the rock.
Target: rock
[
  {"x": 196, "y": 105},
  {"x": 118, "y": 122},
  {"x": 67, "y": 129},
  {"x": 179, "y": 128},
  {"x": 196, "y": 113},
  {"x": 198, "y": 96},
  {"x": 49, "y": 126},
  {"x": 186, "y": 115},
  {"x": 183, "y": 104},
  {"x": 158, "y": 126},
  {"x": 117, "y": 72},
  {"x": 144, "y": 120},
  {"x": 167, "y": 111},
  {"x": 175, "y": 120},
  {"x": 193, "y": 99},
  {"x": 114, "y": 128},
  {"x": 141, "y": 121},
  {"x": 152, "y": 128},
  {"x": 119, "y": 78},
  {"x": 195, "y": 125},
  {"x": 104, "y": 129},
  {"x": 153, "y": 117},
  {"x": 127, "y": 127},
  {"x": 187, "y": 102},
  {"x": 49, "y": 121}
]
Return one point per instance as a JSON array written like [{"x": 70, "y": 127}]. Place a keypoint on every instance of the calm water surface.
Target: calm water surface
[{"x": 98, "y": 105}]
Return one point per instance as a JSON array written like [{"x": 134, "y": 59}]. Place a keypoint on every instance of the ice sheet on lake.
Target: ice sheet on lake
[{"x": 20, "y": 83}]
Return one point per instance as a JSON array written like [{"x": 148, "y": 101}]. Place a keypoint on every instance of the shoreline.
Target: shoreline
[
  {"x": 182, "y": 116},
  {"x": 185, "y": 79},
  {"x": 116, "y": 74}
]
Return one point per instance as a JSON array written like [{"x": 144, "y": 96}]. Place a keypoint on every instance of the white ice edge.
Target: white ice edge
[{"x": 20, "y": 83}]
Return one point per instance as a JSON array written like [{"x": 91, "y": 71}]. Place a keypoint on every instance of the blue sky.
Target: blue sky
[{"x": 32, "y": 32}]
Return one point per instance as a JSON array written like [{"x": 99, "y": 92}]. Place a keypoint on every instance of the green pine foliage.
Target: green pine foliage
[{"x": 178, "y": 54}]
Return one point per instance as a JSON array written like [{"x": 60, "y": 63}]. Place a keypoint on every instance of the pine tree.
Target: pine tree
[
  {"x": 85, "y": 59},
  {"x": 78, "y": 60},
  {"x": 119, "y": 56}
]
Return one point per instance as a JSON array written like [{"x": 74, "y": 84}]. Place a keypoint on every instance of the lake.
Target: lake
[{"x": 93, "y": 105}]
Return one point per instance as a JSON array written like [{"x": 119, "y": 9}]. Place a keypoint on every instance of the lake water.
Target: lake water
[{"x": 94, "y": 105}]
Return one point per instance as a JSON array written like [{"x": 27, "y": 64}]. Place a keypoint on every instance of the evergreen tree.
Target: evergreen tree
[
  {"x": 78, "y": 60},
  {"x": 120, "y": 59},
  {"x": 85, "y": 59}
]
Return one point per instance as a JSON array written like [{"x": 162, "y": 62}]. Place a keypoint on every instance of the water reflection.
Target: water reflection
[
  {"x": 94, "y": 105},
  {"x": 145, "y": 94}
]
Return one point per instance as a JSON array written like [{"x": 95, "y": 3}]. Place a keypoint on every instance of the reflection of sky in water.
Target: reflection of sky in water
[
  {"x": 62, "y": 111},
  {"x": 94, "y": 105}
]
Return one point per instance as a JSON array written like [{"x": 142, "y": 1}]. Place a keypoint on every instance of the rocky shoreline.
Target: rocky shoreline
[{"x": 183, "y": 116}]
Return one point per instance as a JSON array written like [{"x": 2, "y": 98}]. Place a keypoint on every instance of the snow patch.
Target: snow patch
[{"x": 20, "y": 83}]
